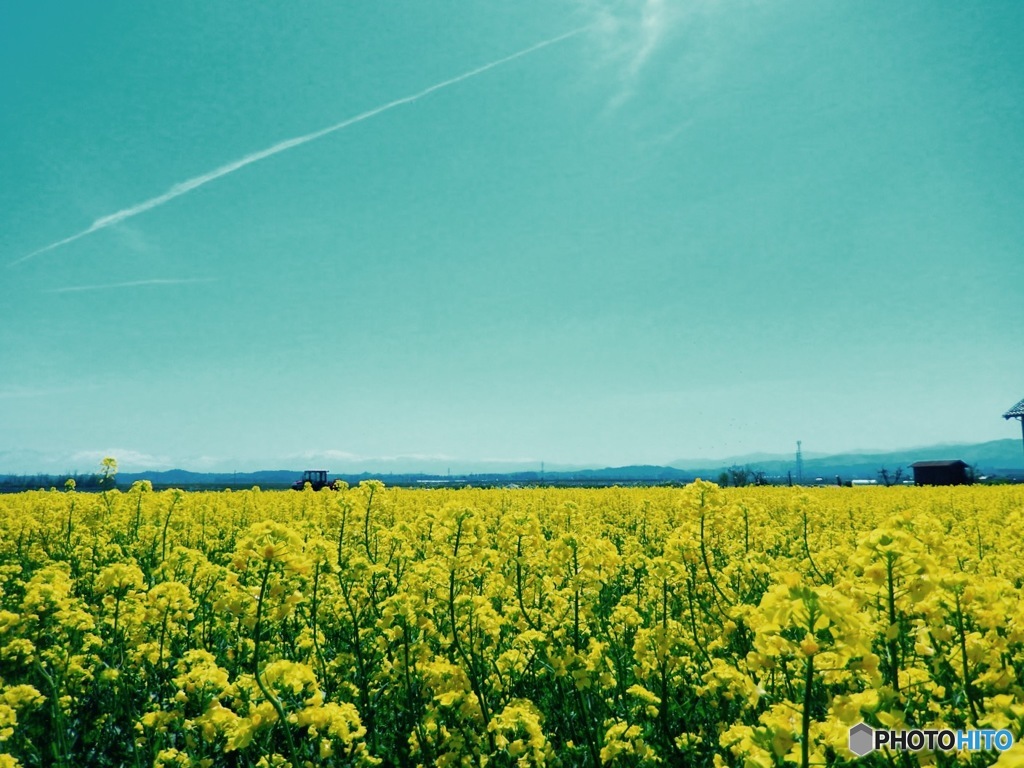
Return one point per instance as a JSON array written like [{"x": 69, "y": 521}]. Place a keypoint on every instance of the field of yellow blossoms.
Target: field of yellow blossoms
[{"x": 623, "y": 627}]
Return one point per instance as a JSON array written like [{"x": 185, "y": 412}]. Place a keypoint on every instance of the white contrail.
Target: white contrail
[
  {"x": 187, "y": 186},
  {"x": 132, "y": 284}
]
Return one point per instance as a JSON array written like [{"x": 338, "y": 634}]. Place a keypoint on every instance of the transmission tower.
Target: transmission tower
[{"x": 799, "y": 463}]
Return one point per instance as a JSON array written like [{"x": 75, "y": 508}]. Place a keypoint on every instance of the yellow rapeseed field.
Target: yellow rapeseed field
[{"x": 625, "y": 627}]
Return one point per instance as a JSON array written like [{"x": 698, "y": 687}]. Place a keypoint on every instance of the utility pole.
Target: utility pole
[{"x": 799, "y": 463}]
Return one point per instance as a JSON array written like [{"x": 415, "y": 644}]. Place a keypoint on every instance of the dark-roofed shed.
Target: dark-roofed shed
[{"x": 940, "y": 473}]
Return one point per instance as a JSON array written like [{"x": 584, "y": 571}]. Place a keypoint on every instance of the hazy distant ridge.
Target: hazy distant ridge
[{"x": 994, "y": 457}]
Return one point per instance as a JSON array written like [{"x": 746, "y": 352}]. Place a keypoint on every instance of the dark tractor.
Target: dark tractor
[{"x": 315, "y": 477}]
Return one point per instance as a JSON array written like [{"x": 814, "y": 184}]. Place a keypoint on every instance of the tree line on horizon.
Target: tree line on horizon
[{"x": 93, "y": 481}]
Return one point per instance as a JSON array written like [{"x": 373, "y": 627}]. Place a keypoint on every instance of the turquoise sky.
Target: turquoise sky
[{"x": 694, "y": 229}]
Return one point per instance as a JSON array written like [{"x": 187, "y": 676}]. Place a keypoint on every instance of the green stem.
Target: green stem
[
  {"x": 59, "y": 744},
  {"x": 366, "y": 525},
  {"x": 471, "y": 666},
  {"x": 274, "y": 701},
  {"x": 962, "y": 636},
  {"x": 810, "y": 559},
  {"x": 892, "y": 645},
  {"x": 805, "y": 725},
  {"x": 707, "y": 569},
  {"x": 313, "y": 621},
  {"x": 519, "y": 584},
  {"x": 167, "y": 522}
]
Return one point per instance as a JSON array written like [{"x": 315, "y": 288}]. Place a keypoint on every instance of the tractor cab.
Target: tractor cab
[{"x": 317, "y": 478}]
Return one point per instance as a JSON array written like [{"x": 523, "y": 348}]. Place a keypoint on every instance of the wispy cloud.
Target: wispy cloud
[
  {"x": 405, "y": 461},
  {"x": 194, "y": 183},
  {"x": 327, "y": 455},
  {"x": 405, "y": 458},
  {"x": 337, "y": 455},
  {"x": 127, "y": 459},
  {"x": 60, "y": 461},
  {"x": 630, "y": 33},
  {"x": 131, "y": 284},
  {"x": 654, "y": 20},
  {"x": 134, "y": 239}
]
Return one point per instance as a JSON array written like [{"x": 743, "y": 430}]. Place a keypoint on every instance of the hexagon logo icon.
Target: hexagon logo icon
[{"x": 862, "y": 739}]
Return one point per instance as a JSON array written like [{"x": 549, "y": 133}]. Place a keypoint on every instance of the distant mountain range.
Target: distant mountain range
[
  {"x": 1000, "y": 458},
  {"x": 995, "y": 458}
]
